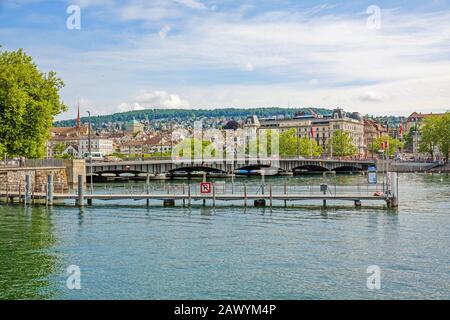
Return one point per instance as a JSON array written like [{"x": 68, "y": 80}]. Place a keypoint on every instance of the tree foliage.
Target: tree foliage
[
  {"x": 342, "y": 144},
  {"x": 29, "y": 100},
  {"x": 393, "y": 144},
  {"x": 291, "y": 146},
  {"x": 435, "y": 132}
]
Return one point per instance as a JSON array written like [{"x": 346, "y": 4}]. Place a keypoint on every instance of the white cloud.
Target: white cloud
[
  {"x": 307, "y": 57},
  {"x": 373, "y": 96},
  {"x": 153, "y": 99},
  {"x": 192, "y": 4}
]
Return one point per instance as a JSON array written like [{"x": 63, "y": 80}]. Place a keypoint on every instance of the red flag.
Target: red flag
[{"x": 401, "y": 129}]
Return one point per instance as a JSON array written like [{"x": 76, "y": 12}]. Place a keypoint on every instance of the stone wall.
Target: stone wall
[{"x": 15, "y": 177}]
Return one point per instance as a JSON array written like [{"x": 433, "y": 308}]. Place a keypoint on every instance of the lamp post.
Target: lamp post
[{"x": 90, "y": 152}]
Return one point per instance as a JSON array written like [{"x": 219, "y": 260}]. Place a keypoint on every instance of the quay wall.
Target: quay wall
[
  {"x": 413, "y": 167},
  {"x": 14, "y": 178},
  {"x": 65, "y": 174}
]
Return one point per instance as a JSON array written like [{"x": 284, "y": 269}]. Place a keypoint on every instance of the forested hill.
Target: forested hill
[{"x": 185, "y": 114}]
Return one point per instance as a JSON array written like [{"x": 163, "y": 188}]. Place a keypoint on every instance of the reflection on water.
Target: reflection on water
[
  {"x": 300, "y": 252},
  {"x": 25, "y": 237}
]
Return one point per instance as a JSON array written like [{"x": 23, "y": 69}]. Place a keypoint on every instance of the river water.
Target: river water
[{"x": 128, "y": 251}]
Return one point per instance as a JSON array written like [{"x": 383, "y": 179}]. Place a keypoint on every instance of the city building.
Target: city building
[
  {"x": 321, "y": 127},
  {"x": 372, "y": 131},
  {"x": 134, "y": 127},
  {"x": 98, "y": 144},
  {"x": 414, "y": 122}
]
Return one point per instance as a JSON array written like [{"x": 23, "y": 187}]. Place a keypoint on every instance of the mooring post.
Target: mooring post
[
  {"x": 147, "y": 186},
  {"x": 392, "y": 201},
  {"x": 50, "y": 189},
  {"x": 214, "y": 193},
  {"x": 285, "y": 193},
  {"x": 270, "y": 191},
  {"x": 184, "y": 192},
  {"x": 80, "y": 200},
  {"x": 20, "y": 192},
  {"x": 204, "y": 180},
  {"x": 189, "y": 195},
  {"x": 245, "y": 195},
  {"x": 26, "y": 199}
]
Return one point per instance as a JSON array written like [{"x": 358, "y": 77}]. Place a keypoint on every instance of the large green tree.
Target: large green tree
[
  {"x": 290, "y": 146},
  {"x": 436, "y": 132},
  {"x": 29, "y": 100},
  {"x": 342, "y": 144},
  {"x": 429, "y": 137}
]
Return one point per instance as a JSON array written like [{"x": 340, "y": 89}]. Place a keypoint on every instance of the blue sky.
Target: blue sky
[{"x": 134, "y": 54}]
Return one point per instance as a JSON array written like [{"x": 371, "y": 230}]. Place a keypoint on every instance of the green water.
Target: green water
[{"x": 128, "y": 251}]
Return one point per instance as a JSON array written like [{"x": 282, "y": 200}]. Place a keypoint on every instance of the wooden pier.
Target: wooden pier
[{"x": 187, "y": 195}]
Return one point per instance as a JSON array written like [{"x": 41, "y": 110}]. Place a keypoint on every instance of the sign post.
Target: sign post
[{"x": 205, "y": 187}]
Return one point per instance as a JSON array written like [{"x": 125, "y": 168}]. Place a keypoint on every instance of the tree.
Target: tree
[
  {"x": 289, "y": 145},
  {"x": 444, "y": 135},
  {"x": 429, "y": 137},
  {"x": 436, "y": 132},
  {"x": 29, "y": 100},
  {"x": 59, "y": 148},
  {"x": 393, "y": 144},
  {"x": 342, "y": 144}
]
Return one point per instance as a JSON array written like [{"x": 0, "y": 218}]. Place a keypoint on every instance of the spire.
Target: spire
[{"x": 78, "y": 117}]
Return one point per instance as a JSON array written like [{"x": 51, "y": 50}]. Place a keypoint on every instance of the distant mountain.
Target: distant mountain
[{"x": 185, "y": 114}]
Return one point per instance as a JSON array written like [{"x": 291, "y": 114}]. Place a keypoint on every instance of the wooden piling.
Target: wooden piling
[
  {"x": 245, "y": 195},
  {"x": 26, "y": 199},
  {"x": 80, "y": 201},
  {"x": 270, "y": 195},
  {"x": 147, "y": 186},
  {"x": 214, "y": 194},
  {"x": 189, "y": 195},
  {"x": 50, "y": 189},
  {"x": 285, "y": 193}
]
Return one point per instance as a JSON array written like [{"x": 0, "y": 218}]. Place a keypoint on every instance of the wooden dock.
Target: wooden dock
[{"x": 187, "y": 194}]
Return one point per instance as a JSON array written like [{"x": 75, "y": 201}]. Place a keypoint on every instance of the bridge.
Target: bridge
[{"x": 220, "y": 166}]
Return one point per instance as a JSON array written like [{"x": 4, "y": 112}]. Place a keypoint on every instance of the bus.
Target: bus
[{"x": 95, "y": 156}]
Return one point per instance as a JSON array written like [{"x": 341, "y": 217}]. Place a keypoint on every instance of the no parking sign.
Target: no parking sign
[{"x": 205, "y": 187}]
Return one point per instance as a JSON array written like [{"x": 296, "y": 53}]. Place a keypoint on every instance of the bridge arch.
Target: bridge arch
[
  {"x": 309, "y": 168},
  {"x": 348, "y": 168},
  {"x": 196, "y": 169},
  {"x": 268, "y": 169}
]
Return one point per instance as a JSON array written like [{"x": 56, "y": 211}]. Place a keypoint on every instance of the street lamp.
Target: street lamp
[{"x": 90, "y": 152}]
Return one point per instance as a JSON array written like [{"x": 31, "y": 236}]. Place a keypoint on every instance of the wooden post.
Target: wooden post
[
  {"x": 270, "y": 192},
  {"x": 285, "y": 193},
  {"x": 147, "y": 186},
  {"x": 20, "y": 191},
  {"x": 214, "y": 193},
  {"x": 26, "y": 199},
  {"x": 245, "y": 195},
  {"x": 184, "y": 192},
  {"x": 80, "y": 201},
  {"x": 50, "y": 189},
  {"x": 189, "y": 195}
]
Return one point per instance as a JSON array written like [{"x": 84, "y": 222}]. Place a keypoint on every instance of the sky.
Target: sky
[{"x": 375, "y": 57}]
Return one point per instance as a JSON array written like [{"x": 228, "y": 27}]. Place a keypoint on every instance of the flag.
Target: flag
[
  {"x": 311, "y": 132},
  {"x": 401, "y": 129}
]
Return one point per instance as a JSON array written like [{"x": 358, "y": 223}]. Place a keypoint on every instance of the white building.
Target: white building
[{"x": 98, "y": 144}]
